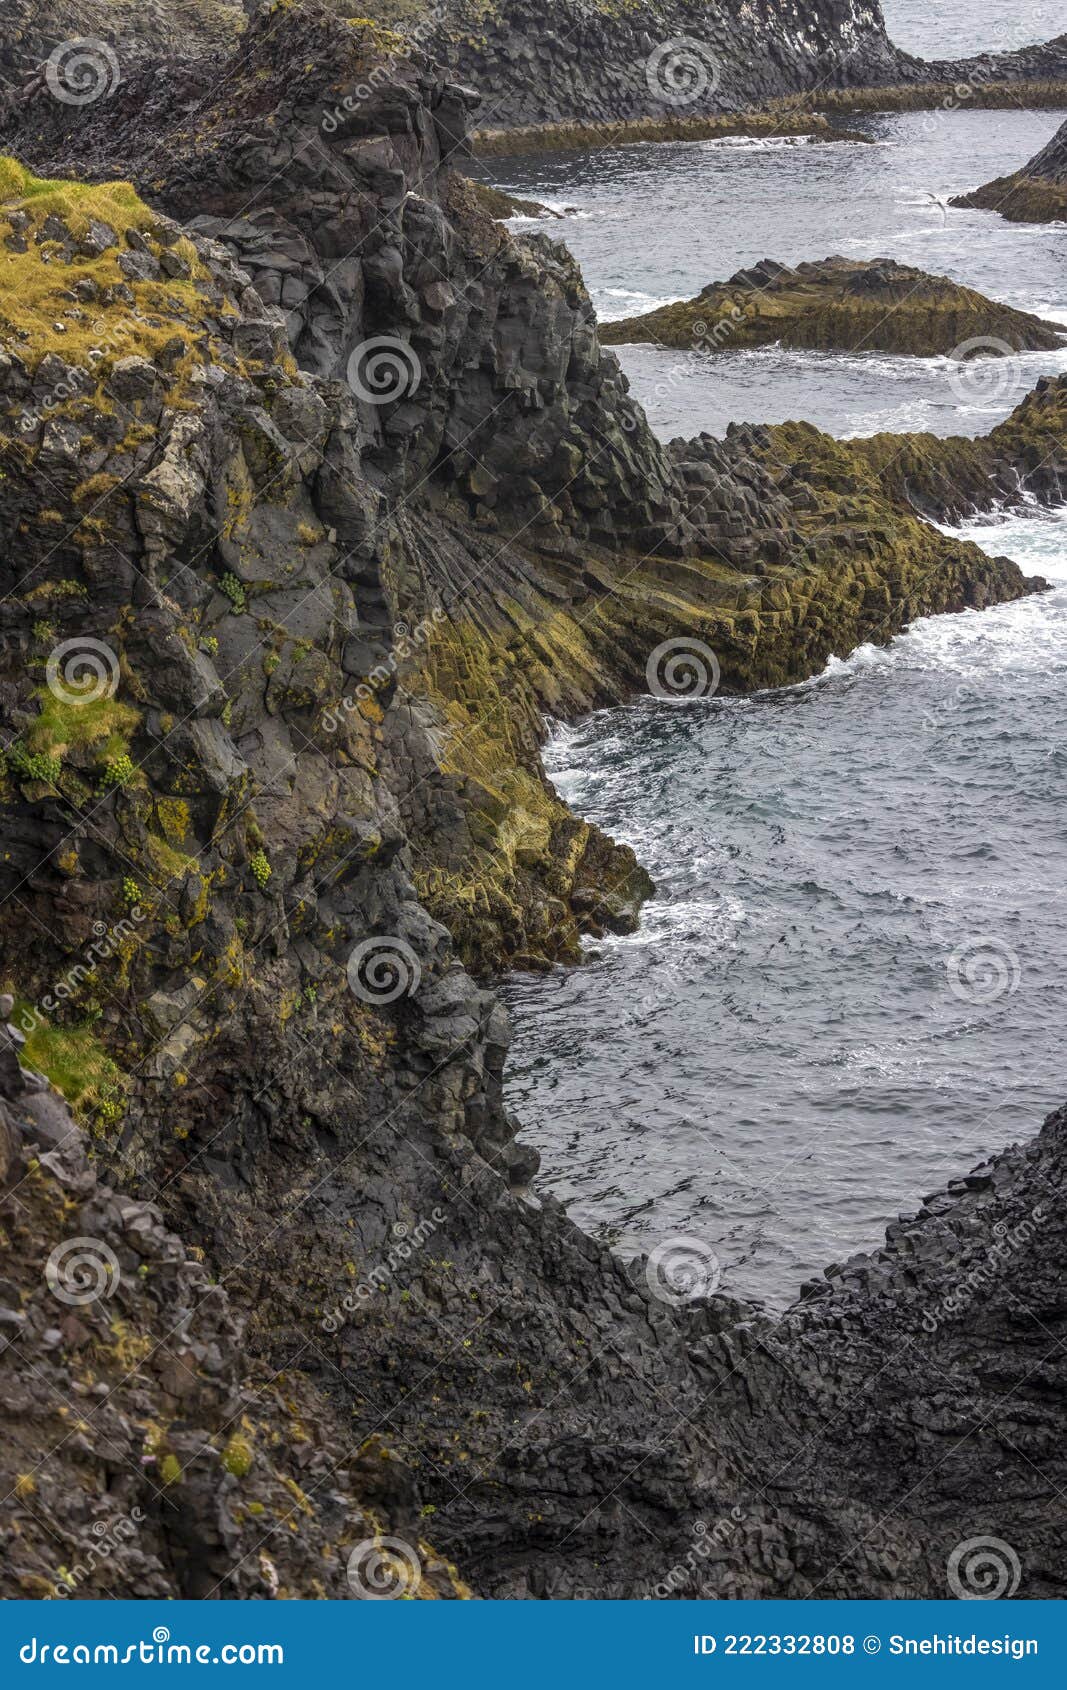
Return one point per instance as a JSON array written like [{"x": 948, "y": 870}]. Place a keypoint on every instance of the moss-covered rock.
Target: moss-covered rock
[{"x": 839, "y": 304}]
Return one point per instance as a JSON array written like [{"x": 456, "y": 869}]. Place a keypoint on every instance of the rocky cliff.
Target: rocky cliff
[
  {"x": 1035, "y": 194},
  {"x": 320, "y": 492}
]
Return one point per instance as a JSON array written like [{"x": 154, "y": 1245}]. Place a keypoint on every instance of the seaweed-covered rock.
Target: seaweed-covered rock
[
  {"x": 1035, "y": 194},
  {"x": 839, "y": 304}
]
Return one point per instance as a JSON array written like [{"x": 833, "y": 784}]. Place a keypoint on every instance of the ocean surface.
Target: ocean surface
[{"x": 850, "y": 985}]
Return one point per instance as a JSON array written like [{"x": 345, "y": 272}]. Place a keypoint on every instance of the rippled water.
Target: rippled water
[
  {"x": 778, "y": 1062},
  {"x": 850, "y": 984},
  {"x": 956, "y": 28},
  {"x": 657, "y": 222}
]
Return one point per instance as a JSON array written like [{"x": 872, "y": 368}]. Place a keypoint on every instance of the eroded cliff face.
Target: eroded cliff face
[{"x": 321, "y": 493}]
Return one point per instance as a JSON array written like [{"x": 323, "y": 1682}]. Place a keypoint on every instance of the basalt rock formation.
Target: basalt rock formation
[
  {"x": 839, "y": 304},
  {"x": 145, "y": 1452},
  {"x": 320, "y": 494},
  {"x": 595, "y": 62},
  {"x": 1035, "y": 194}
]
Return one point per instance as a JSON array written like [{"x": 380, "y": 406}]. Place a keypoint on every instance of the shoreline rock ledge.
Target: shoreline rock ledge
[{"x": 281, "y": 629}]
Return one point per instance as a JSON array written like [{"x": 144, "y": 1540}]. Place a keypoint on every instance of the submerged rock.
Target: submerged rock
[{"x": 840, "y": 305}]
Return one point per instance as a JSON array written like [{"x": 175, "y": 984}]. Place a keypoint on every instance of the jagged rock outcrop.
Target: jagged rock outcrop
[
  {"x": 278, "y": 628},
  {"x": 604, "y": 61},
  {"x": 839, "y": 304},
  {"x": 144, "y": 1451},
  {"x": 31, "y": 31},
  {"x": 1035, "y": 194},
  {"x": 1021, "y": 461}
]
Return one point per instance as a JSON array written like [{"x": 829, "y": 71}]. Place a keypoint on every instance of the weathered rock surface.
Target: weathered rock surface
[
  {"x": 271, "y": 852},
  {"x": 145, "y": 1452},
  {"x": 1035, "y": 194},
  {"x": 839, "y": 304}
]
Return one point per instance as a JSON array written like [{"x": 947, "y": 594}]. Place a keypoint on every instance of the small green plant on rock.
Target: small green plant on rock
[
  {"x": 118, "y": 771},
  {"x": 260, "y": 866},
  {"x": 234, "y": 591}
]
